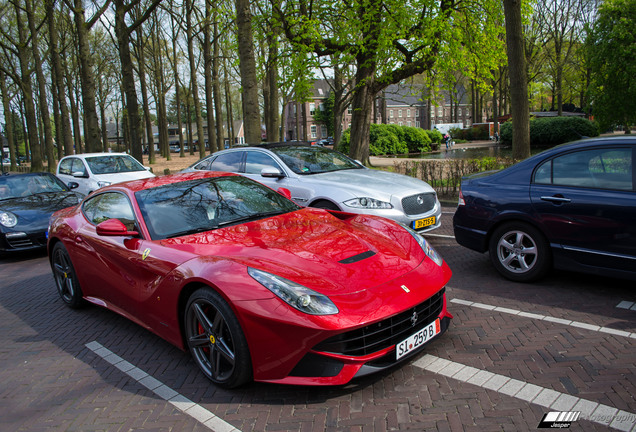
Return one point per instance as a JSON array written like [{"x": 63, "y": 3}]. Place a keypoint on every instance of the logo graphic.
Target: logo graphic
[
  {"x": 559, "y": 419},
  {"x": 420, "y": 199},
  {"x": 145, "y": 254},
  {"x": 413, "y": 319}
]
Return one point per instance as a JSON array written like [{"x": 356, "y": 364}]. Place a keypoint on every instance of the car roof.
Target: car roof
[
  {"x": 85, "y": 155},
  {"x": 152, "y": 182}
]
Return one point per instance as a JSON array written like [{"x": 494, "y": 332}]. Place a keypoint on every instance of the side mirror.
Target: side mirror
[
  {"x": 113, "y": 228},
  {"x": 284, "y": 192},
  {"x": 79, "y": 174},
  {"x": 73, "y": 185},
  {"x": 271, "y": 172}
]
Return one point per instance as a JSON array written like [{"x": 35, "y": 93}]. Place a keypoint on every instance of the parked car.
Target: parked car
[
  {"x": 92, "y": 171},
  {"x": 324, "y": 178},
  {"x": 255, "y": 286},
  {"x": 572, "y": 207},
  {"x": 26, "y": 203}
]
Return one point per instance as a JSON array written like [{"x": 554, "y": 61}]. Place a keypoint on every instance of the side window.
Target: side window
[
  {"x": 227, "y": 162},
  {"x": 204, "y": 164},
  {"x": 256, "y": 161},
  {"x": 65, "y": 166},
  {"x": 609, "y": 168},
  {"x": 78, "y": 167},
  {"x": 110, "y": 205}
]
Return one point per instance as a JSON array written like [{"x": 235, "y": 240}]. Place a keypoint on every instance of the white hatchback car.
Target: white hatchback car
[
  {"x": 92, "y": 171},
  {"x": 319, "y": 177}
]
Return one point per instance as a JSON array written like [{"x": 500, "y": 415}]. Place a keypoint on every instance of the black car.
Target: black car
[
  {"x": 26, "y": 203},
  {"x": 572, "y": 207}
]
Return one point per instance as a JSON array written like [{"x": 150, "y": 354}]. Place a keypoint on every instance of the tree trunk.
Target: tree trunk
[
  {"x": 8, "y": 120},
  {"x": 518, "y": 80},
  {"x": 44, "y": 106},
  {"x": 228, "y": 102},
  {"x": 216, "y": 79},
  {"x": 91, "y": 128},
  {"x": 27, "y": 92},
  {"x": 273, "y": 125},
  {"x": 207, "y": 60},
  {"x": 194, "y": 82},
  {"x": 128, "y": 80},
  {"x": 141, "y": 57},
  {"x": 247, "y": 66}
]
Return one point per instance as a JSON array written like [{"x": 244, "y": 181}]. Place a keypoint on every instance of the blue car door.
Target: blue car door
[{"x": 587, "y": 203}]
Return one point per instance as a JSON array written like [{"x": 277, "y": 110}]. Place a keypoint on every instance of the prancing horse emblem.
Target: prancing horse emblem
[
  {"x": 405, "y": 289},
  {"x": 413, "y": 319}
]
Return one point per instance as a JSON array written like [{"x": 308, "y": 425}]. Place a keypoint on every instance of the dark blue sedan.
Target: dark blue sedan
[
  {"x": 572, "y": 207},
  {"x": 27, "y": 201}
]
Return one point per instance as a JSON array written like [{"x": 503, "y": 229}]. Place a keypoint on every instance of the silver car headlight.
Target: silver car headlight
[
  {"x": 368, "y": 203},
  {"x": 8, "y": 219},
  {"x": 426, "y": 247},
  {"x": 295, "y": 295}
]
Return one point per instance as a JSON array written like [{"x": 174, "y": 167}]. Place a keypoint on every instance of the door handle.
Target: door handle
[{"x": 556, "y": 199}]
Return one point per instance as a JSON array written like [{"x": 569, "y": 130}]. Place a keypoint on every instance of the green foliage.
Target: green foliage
[
  {"x": 611, "y": 52},
  {"x": 435, "y": 136},
  {"x": 550, "y": 131},
  {"x": 325, "y": 116},
  {"x": 392, "y": 140}
]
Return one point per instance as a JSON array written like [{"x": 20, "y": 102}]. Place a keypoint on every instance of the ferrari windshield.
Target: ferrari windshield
[
  {"x": 113, "y": 164},
  {"x": 314, "y": 160},
  {"x": 188, "y": 207}
]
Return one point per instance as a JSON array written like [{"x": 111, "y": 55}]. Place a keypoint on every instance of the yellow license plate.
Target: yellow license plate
[{"x": 422, "y": 223}]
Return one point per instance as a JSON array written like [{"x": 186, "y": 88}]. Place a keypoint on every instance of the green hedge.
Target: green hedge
[
  {"x": 470, "y": 134},
  {"x": 392, "y": 140},
  {"x": 550, "y": 131}
]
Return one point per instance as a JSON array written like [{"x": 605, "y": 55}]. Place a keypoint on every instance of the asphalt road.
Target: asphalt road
[{"x": 513, "y": 354}]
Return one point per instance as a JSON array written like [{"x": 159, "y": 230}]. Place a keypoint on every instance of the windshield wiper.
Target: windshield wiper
[
  {"x": 254, "y": 216},
  {"x": 193, "y": 231}
]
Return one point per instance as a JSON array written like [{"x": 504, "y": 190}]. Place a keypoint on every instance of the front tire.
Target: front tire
[
  {"x": 520, "y": 252},
  {"x": 324, "y": 204},
  {"x": 68, "y": 286},
  {"x": 216, "y": 340}
]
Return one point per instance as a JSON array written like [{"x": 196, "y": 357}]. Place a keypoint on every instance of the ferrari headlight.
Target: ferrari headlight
[
  {"x": 8, "y": 219},
  {"x": 426, "y": 247},
  {"x": 295, "y": 295},
  {"x": 368, "y": 203}
]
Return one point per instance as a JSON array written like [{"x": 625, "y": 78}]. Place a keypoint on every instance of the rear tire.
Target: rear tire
[{"x": 520, "y": 252}]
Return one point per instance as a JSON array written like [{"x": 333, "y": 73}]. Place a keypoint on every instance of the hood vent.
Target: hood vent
[{"x": 356, "y": 258}]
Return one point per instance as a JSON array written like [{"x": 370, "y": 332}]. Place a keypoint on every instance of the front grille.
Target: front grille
[
  {"x": 383, "y": 334},
  {"x": 418, "y": 204}
]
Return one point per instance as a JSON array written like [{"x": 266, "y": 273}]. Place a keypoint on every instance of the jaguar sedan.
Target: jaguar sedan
[
  {"x": 572, "y": 207},
  {"x": 323, "y": 178},
  {"x": 253, "y": 285},
  {"x": 27, "y": 201}
]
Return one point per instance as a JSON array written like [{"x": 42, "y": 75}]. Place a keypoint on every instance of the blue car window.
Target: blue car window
[
  {"x": 256, "y": 161},
  {"x": 596, "y": 168}
]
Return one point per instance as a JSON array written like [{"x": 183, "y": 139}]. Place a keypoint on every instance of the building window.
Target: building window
[
  {"x": 432, "y": 111},
  {"x": 417, "y": 123},
  {"x": 390, "y": 113},
  {"x": 459, "y": 112},
  {"x": 323, "y": 131},
  {"x": 408, "y": 123},
  {"x": 312, "y": 108},
  {"x": 314, "y": 131},
  {"x": 408, "y": 113},
  {"x": 440, "y": 112},
  {"x": 400, "y": 113}
]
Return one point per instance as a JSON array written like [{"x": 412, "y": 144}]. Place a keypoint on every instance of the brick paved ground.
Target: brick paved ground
[{"x": 50, "y": 380}]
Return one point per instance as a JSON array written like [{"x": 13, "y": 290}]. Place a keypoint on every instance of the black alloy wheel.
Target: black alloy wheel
[{"x": 215, "y": 339}]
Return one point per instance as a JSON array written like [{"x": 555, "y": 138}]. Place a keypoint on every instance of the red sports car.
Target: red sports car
[{"x": 253, "y": 285}]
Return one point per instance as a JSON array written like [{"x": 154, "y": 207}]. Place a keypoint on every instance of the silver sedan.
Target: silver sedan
[{"x": 319, "y": 177}]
